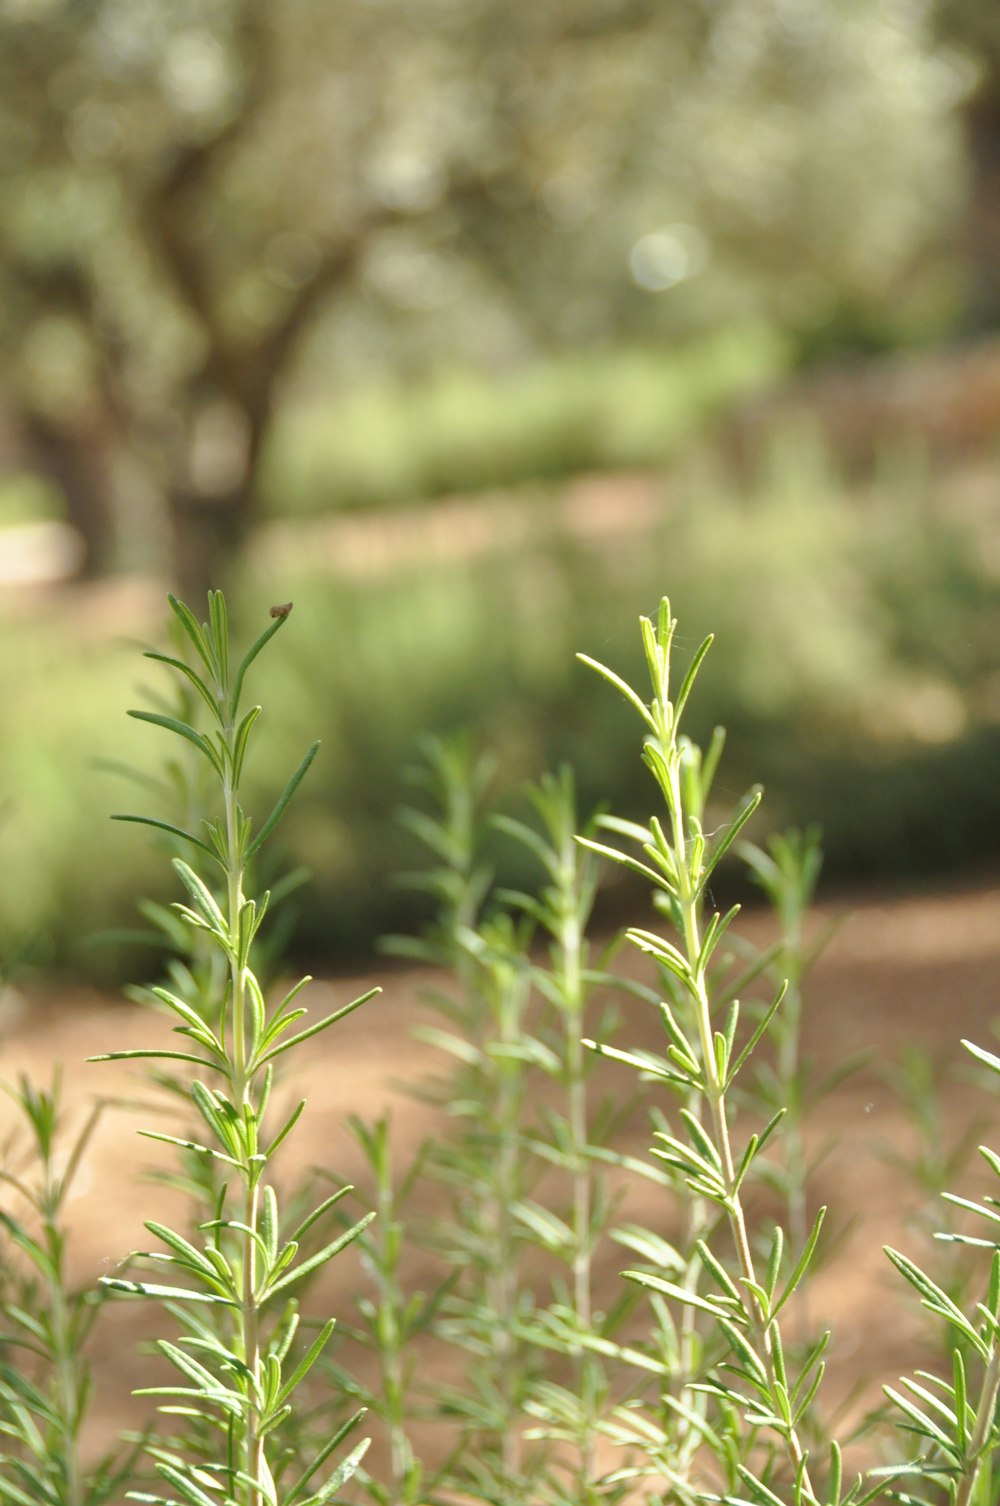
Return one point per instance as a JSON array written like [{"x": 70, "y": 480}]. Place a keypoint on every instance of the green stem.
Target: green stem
[
  {"x": 686, "y": 1434},
  {"x": 985, "y": 1415},
  {"x": 243, "y": 1100},
  {"x": 698, "y": 1220},
  {"x": 793, "y": 1138},
  {"x": 570, "y": 963},
  {"x": 251, "y": 1338},
  {"x": 504, "y": 1271},
  {"x": 390, "y": 1353},
  {"x": 716, "y": 1094},
  {"x": 67, "y": 1371},
  {"x": 571, "y": 958}
]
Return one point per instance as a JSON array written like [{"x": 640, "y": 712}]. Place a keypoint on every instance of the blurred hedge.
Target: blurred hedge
[
  {"x": 854, "y": 667},
  {"x": 459, "y": 431}
]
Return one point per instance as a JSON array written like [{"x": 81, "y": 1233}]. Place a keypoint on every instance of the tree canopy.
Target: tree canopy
[{"x": 204, "y": 198}]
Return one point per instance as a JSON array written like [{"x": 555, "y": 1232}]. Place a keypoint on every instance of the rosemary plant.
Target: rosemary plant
[
  {"x": 711, "y": 1404},
  {"x": 519, "y": 1104},
  {"x": 573, "y": 1138},
  {"x": 234, "y": 1285},
  {"x": 393, "y": 1321},
  {"x": 787, "y": 868},
  {"x": 488, "y": 1178},
  {"x": 45, "y": 1380},
  {"x": 955, "y": 1418},
  {"x": 757, "y": 1436},
  {"x": 479, "y": 1163}
]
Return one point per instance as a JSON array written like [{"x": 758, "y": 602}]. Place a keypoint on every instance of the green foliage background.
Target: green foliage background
[
  {"x": 854, "y": 668},
  {"x": 262, "y": 266}
]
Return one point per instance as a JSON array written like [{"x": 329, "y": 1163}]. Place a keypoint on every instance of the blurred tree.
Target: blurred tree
[
  {"x": 974, "y": 28},
  {"x": 191, "y": 188}
]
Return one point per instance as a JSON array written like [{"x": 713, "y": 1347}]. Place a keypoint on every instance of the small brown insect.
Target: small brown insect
[{"x": 281, "y": 611}]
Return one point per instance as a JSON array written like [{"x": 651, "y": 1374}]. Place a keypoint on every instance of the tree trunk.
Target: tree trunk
[
  {"x": 76, "y": 460},
  {"x": 983, "y": 224},
  {"x": 208, "y": 534},
  {"x": 212, "y": 503}
]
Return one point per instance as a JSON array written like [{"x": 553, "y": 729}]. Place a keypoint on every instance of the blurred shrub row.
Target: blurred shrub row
[
  {"x": 854, "y": 665},
  {"x": 463, "y": 431}
]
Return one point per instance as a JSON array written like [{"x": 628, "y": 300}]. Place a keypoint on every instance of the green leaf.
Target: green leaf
[
  {"x": 171, "y": 723},
  {"x": 457, "y": 1046},
  {"x": 286, "y": 1128},
  {"x": 986, "y": 1057},
  {"x": 195, "y": 632},
  {"x": 802, "y": 1264},
  {"x": 269, "y": 1224},
  {"x": 620, "y": 685},
  {"x": 645, "y": 1062},
  {"x": 973, "y": 1207},
  {"x": 689, "y": 678},
  {"x": 202, "y": 1150},
  {"x": 774, "y": 1265},
  {"x": 220, "y": 1116},
  {"x": 218, "y": 621},
  {"x": 717, "y": 1271},
  {"x": 553, "y": 1232},
  {"x": 319, "y": 1259},
  {"x": 240, "y": 741},
  {"x": 835, "y": 1474},
  {"x": 202, "y": 896},
  {"x": 925, "y": 1426},
  {"x": 991, "y": 1158},
  {"x": 187, "y": 1254},
  {"x": 627, "y": 861},
  {"x": 720, "y": 1047},
  {"x": 190, "y": 674},
  {"x": 712, "y": 1305},
  {"x": 283, "y": 799},
  {"x": 189, "y": 1015},
  {"x": 758, "y": 1032},
  {"x": 649, "y": 1246},
  {"x": 937, "y": 1301},
  {"x": 11, "y": 1492},
  {"x": 665, "y": 952},
  {"x": 526, "y": 836},
  {"x": 181, "y": 1481},
  {"x": 324, "y": 1024},
  {"x": 307, "y": 1361},
  {"x": 742, "y": 1347},
  {"x": 714, "y": 932},
  {"x": 656, "y": 647},
  {"x": 317, "y": 1213},
  {"x": 250, "y": 656},
  {"x": 960, "y": 1391},
  {"x": 761, "y": 1492},
  {"x": 729, "y": 837},
  {"x": 803, "y": 1399},
  {"x": 296, "y": 1495},
  {"x": 141, "y": 1055},
  {"x": 702, "y": 1142},
  {"x": 208, "y": 1384},
  {"x": 340, "y": 1477},
  {"x": 164, "y": 1293},
  {"x": 755, "y": 1145},
  {"x": 222, "y": 1356},
  {"x": 174, "y": 831}
]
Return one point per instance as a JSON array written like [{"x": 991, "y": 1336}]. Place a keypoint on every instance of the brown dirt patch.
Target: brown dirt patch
[{"x": 911, "y": 970}]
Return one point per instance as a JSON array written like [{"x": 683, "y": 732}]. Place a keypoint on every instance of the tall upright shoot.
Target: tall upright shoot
[
  {"x": 701, "y": 1062},
  {"x": 234, "y": 1296}
]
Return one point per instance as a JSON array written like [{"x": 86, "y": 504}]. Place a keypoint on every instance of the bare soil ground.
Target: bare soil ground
[{"x": 921, "y": 970}]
